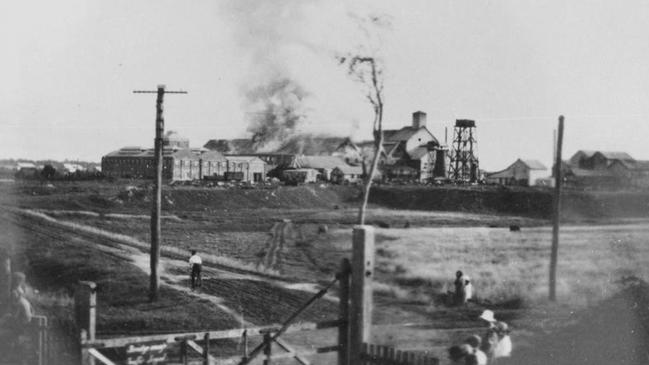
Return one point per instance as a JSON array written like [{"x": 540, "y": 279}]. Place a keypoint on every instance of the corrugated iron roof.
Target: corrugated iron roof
[
  {"x": 591, "y": 173},
  {"x": 534, "y": 164},
  {"x": 350, "y": 170},
  {"x": 317, "y": 162},
  {"x": 616, "y": 155},
  {"x": 242, "y": 158},
  {"x": 399, "y": 135},
  {"x": 314, "y": 145}
]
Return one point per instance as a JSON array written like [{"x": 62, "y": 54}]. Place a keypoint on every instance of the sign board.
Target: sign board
[{"x": 146, "y": 353}]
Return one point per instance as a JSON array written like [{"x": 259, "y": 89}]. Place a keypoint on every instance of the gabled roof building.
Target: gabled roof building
[{"x": 521, "y": 172}]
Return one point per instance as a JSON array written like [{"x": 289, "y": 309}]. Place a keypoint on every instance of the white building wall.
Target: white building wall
[{"x": 421, "y": 137}]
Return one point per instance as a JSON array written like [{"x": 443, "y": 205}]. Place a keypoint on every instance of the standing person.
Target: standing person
[
  {"x": 460, "y": 288},
  {"x": 496, "y": 342},
  {"x": 468, "y": 287},
  {"x": 195, "y": 264}
]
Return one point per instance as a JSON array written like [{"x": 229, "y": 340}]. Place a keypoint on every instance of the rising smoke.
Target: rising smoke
[
  {"x": 294, "y": 84},
  {"x": 277, "y": 110}
]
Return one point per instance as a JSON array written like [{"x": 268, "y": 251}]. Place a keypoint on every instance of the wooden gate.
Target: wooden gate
[
  {"x": 178, "y": 348},
  {"x": 353, "y": 323}
]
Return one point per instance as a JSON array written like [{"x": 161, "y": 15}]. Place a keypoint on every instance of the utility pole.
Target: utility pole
[
  {"x": 556, "y": 212},
  {"x": 154, "y": 282}
]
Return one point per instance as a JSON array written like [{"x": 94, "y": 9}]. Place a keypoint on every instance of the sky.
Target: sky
[{"x": 69, "y": 68}]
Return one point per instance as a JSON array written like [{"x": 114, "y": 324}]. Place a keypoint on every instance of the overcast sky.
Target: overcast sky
[{"x": 69, "y": 67}]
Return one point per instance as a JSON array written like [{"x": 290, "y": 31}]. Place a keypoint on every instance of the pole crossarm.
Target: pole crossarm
[
  {"x": 154, "y": 287},
  {"x": 155, "y": 92}
]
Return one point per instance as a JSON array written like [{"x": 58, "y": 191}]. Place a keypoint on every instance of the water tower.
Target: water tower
[{"x": 463, "y": 164}]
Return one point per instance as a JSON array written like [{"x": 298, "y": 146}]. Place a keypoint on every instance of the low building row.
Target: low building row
[{"x": 181, "y": 163}]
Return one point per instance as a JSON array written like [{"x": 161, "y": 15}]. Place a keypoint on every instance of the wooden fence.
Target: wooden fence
[
  {"x": 385, "y": 355},
  {"x": 353, "y": 323}
]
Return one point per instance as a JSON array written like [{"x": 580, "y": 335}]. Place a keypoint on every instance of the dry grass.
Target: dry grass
[{"x": 507, "y": 267}]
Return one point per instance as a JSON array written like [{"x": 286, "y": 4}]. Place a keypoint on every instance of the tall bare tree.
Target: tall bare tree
[{"x": 369, "y": 72}]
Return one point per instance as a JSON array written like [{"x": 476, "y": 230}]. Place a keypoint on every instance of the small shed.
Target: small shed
[
  {"x": 323, "y": 164},
  {"x": 346, "y": 174},
  {"x": 300, "y": 176}
]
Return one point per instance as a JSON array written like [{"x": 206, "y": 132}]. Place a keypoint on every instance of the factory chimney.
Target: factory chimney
[{"x": 418, "y": 119}]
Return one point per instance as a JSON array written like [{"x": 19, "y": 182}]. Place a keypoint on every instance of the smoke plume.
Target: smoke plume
[{"x": 294, "y": 84}]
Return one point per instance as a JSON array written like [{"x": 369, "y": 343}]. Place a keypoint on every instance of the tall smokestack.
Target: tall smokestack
[{"x": 418, "y": 119}]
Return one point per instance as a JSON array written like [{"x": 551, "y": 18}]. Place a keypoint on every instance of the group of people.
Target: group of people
[
  {"x": 479, "y": 350},
  {"x": 476, "y": 350}
]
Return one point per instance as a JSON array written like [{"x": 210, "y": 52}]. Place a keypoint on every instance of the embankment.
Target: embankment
[{"x": 576, "y": 205}]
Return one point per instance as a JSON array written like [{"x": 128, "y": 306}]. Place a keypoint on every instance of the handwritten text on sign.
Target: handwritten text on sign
[{"x": 152, "y": 353}]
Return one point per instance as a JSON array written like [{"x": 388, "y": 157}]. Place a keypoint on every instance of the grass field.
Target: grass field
[
  {"x": 415, "y": 265},
  {"x": 512, "y": 267}
]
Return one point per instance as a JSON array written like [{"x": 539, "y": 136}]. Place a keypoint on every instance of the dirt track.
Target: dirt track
[{"x": 402, "y": 321}]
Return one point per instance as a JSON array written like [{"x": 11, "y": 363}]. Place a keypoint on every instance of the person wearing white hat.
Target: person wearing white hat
[{"x": 496, "y": 342}]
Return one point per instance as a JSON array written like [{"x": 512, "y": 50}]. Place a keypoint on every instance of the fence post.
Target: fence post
[
  {"x": 183, "y": 352},
  {"x": 343, "y": 328},
  {"x": 41, "y": 339},
  {"x": 6, "y": 290},
  {"x": 245, "y": 345},
  {"x": 361, "y": 291},
  {"x": 267, "y": 348},
  {"x": 85, "y": 355},
  {"x": 206, "y": 349},
  {"x": 244, "y": 358},
  {"x": 85, "y": 303}
]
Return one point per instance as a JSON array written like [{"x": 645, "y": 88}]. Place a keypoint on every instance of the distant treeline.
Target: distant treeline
[{"x": 49, "y": 173}]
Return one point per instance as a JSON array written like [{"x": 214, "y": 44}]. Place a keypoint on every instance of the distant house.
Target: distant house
[
  {"x": 605, "y": 169},
  {"x": 346, "y": 174},
  {"x": 25, "y": 165},
  {"x": 521, "y": 172},
  {"x": 71, "y": 168},
  {"x": 579, "y": 157},
  {"x": 597, "y": 160},
  {"x": 323, "y": 164}
]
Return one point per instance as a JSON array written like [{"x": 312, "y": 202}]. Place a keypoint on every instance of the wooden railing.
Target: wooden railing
[
  {"x": 194, "y": 340},
  {"x": 385, "y": 355},
  {"x": 353, "y": 323}
]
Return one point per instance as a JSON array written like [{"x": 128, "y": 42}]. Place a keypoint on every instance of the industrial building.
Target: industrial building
[
  {"x": 605, "y": 169},
  {"x": 521, "y": 172},
  {"x": 181, "y": 163},
  {"x": 412, "y": 148}
]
